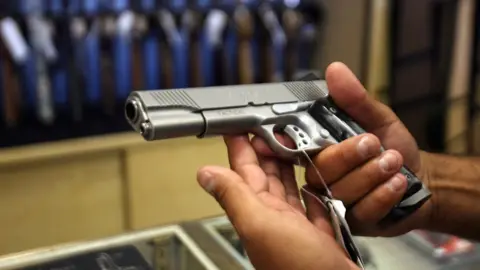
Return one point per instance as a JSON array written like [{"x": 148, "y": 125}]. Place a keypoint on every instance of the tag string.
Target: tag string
[
  {"x": 344, "y": 237},
  {"x": 329, "y": 192}
]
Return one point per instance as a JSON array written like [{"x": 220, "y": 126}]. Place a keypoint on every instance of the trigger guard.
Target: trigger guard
[{"x": 267, "y": 132}]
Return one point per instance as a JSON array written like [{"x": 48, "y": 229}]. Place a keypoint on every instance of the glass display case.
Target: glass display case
[
  {"x": 168, "y": 247},
  {"x": 212, "y": 243}
]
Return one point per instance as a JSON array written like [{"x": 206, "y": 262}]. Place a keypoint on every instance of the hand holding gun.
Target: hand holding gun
[{"x": 302, "y": 109}]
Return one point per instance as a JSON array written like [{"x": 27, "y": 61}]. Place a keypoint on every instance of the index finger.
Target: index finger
[
  {"x": 262, "y": 147},
  {"x": 244, "y": 161},
  {"x": 240, "y": 151}
]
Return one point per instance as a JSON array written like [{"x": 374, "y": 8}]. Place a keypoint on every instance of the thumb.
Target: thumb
[
  {"x": 231, "y": 192},
  {"x": 350, "y": 95},
  {"x": 374, "y": 116}
]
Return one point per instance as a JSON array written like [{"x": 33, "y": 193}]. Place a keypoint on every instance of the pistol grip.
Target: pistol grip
[
  {"x": 341, "y": 127},
  {"x": 415, "y": 196}
]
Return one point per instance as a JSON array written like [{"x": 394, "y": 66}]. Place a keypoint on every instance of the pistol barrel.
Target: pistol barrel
[{"x": 157, "y": 123}]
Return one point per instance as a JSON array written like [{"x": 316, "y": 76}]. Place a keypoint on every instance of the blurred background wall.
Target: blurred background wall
[{"x": 70, "y": 167}]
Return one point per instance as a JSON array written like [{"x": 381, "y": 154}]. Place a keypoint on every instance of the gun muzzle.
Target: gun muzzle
[{"x": 155, "y": 122}]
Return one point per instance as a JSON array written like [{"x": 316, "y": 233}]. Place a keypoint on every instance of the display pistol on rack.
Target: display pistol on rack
[{"x": 301, "y": 109}]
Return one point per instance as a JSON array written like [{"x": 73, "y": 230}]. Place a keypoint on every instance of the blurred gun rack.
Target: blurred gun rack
[{"x": 66, "y": 67}]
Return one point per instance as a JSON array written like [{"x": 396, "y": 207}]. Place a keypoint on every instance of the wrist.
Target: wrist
[
  {"x": 454, "y": 184},
  {"x": 427, "y": 175}
]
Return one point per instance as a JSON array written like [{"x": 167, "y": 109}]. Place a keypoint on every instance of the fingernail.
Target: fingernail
[
  {"x": 396, "y": 183},
  {"x": 206, "y": 181},
  {"x": 366, "y": 146},
  {"x": 388, "y": 162}
]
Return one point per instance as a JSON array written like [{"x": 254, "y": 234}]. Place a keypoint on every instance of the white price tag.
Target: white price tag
[{"x": 340, "y": 207}]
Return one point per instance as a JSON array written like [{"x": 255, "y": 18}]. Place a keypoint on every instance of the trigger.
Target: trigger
[
  {"x": 269, "y": 135},
  {"x": 300, "y": 137}
]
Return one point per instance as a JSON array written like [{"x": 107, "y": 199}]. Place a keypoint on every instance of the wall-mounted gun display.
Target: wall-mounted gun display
[{"x": 68, "y": 66}]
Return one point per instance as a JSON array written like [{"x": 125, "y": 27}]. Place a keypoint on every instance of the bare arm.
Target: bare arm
[{"x": 455, "y": 185}]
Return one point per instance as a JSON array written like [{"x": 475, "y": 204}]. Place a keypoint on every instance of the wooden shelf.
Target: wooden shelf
[{"x": 71, "y": 147}]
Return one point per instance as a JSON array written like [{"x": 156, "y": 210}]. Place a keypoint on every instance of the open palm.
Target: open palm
[{"x": 261, "y": 198}]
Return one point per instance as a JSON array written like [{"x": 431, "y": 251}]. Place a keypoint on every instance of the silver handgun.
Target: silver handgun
[{"x": 303, "y": 110}]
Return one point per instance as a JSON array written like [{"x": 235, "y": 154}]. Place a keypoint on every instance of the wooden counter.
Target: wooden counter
[{"x": 94, "y": 187}]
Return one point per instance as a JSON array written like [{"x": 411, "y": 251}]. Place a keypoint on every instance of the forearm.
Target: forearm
[{"x": 455, "y": 185}]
